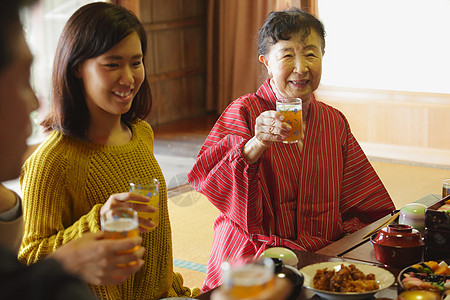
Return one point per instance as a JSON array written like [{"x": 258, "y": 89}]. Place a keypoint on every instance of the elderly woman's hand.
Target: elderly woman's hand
[{"x": 269, "y": 128}]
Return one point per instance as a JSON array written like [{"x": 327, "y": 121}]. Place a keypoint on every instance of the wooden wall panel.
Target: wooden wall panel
[
  {"x": 195, "y": 86},
  {"x": 170, "y": 96},
  {"x": 176, "y": 60},
  {"x": 403, "y": 122},
  {"x": 154, "y": 11},
  {"x": 168, "y": 51},
  {"x": 195, "y": 48},
  {"x": 439, "y": 125}
]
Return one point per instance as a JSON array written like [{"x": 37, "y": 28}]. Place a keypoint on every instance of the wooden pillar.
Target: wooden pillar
[
  {"x": 310, "y": 6},
  {"x": 307, "y": 5}
]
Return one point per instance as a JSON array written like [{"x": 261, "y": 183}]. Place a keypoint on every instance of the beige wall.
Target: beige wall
[{"x": 396, "y": 125}]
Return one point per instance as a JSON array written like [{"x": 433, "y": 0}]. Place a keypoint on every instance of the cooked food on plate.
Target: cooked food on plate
[{"x": 347, "y": 279}]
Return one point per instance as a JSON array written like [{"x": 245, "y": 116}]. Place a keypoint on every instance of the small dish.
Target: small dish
[
  {"x": 425, "y": 276},
  {"x": 292, "y": 274},
  {"x": 384, "y": 278},
  {"x": 286, "y": 255},
  {"x": 413, "y": 214},
  {"x": 419, "y": 295}
]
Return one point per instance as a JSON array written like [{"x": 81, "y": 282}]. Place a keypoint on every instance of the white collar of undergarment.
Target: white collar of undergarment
[{"x": 274, "y": 89}]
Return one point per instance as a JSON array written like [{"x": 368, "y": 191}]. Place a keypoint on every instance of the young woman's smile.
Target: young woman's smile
[{"x": 112, "y": 79}]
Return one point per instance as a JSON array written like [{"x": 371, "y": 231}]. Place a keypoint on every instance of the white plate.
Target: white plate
[{"x": 384, "y": 278}]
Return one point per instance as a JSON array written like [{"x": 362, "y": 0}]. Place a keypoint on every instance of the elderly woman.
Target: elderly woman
[{"x": 303, "y": 195}]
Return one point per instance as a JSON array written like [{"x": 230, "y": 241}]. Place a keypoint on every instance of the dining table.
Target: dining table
[{"x": 356, "y": 248}]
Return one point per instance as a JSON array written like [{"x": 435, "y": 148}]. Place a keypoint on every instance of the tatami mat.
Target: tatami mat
[
  {"x": 408, "y": 182},
  {"x": 192, "y": 217}
]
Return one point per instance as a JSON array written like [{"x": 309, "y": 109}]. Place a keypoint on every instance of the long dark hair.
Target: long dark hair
[{"x": 91, "y": 31}]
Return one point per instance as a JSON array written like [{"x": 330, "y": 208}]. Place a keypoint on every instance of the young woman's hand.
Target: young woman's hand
[{"x": 129, "y": 200}]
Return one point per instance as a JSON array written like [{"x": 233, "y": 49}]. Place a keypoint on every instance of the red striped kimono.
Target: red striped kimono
[{"x": 296, "y": 199}]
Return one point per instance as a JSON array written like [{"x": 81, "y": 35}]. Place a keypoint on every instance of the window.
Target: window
[
  {"x": 387, "y": 44},
  {"x": 43, "y": 23}
]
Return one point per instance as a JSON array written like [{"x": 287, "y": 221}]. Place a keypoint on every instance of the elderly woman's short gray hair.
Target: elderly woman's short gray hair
[{"x": 281, "y": 25}]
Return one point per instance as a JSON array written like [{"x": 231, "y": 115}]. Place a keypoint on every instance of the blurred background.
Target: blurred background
[{"x": 386, "y": 63}]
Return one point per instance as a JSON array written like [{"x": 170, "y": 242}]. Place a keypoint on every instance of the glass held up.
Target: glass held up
[
  {"x": 148, "y": 187},
  {"x": 291, "y": 108},
  {"x": 120, "y": 223}
]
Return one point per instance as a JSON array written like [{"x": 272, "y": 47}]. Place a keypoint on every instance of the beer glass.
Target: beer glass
[
  {"x": 291, "y": 108},
  {"x": 148, "y": 187},
  {"x": 120, "y": 223},
  {"x": 445, "y": 188},
  {"x": 245, "y": 277}
]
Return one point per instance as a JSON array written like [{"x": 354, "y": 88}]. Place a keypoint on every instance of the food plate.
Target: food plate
[
  {"x": 431, "y": 276},
  {"x": 384, "y": 278}
]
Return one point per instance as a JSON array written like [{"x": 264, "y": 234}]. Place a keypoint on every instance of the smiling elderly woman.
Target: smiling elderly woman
[{"x": 303, "y": 195}]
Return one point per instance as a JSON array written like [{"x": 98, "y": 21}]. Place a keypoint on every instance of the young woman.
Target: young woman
[{"x": 97, "y": 142}]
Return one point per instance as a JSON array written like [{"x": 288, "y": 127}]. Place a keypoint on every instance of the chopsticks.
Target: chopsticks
[{"x": 385, "y": 223}]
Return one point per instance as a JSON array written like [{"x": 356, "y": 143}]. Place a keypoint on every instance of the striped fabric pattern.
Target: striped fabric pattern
[{"x": 297, "y": 198}]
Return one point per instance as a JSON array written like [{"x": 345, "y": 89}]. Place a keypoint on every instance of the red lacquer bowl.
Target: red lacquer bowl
[{"x": 398, "y": 245}]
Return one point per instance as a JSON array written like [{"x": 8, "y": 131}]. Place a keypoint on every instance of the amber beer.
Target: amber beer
[
  {"x": 149, "y": 188},
  {"x": 248, "y": 280},
  {"x": 291, "y": 108},
  {"x": 120, "y": 223},
  {"x": 120, "y": 229}
]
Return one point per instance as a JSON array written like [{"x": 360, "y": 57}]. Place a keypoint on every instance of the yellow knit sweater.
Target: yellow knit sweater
[{"x": 65, "y": 183}]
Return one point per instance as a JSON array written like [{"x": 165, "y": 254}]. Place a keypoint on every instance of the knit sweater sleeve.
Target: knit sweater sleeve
[{"x": 47, "y": 203}]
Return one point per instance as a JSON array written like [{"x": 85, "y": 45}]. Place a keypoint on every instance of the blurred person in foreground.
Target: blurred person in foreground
[
  {"x": 97, "y": 142},
  {"x": 90, "y": 258},
  {"x": 302, "y": 195}
]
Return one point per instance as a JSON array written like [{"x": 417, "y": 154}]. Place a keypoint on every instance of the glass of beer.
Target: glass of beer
[
  {"x": 445, "y": 188},
  {"x": 291, "y": 108},
  {"x": 148, "y": 187},
  {"x": 246, "y": 277},
  {"x": 120, "y": 223}
]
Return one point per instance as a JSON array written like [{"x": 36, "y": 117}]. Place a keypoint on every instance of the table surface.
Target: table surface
[
  {"x": 352, "y": 248},
  {"x": 308, "y": 258}
]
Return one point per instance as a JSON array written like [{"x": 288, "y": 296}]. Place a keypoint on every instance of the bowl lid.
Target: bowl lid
[
  {"x": 414, "y": 210},
  {"x": 398, "y": 235}
]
